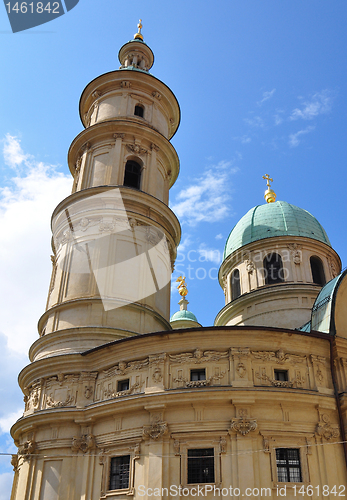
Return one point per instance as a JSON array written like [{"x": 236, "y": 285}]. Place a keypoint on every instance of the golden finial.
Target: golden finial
[
  {"x": 270, "y": 196},
  {"x": 138, "y": 35},
  {"x": 182, "y": 287}
]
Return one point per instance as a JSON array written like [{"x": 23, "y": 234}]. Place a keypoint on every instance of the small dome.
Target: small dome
[
  {"x": 186, "y": 315},
  {"x": 274, "y": 219}
]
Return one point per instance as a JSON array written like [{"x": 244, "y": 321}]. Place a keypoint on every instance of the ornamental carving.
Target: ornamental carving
[
  {"x": 243, "y": 425},
  {"x": 157, "y": 375},
  {"x": 154, "y": 147},
  {"x": 15, "y": 462},
  {"x": 325, "y": 429},
  {"x": 295, "y": 251},
  {"x": 156, "y": 95},
  {"x": 27, "y": 448},
  {"x": 279, "y": 357},
  {"x": 298, "y": 381},
  {"x": 332, "y": 267},
  {"x": 117, "y": 394},
  {"x": 176, "y": 446},
  {"x": 32, "y": 399},
  {"x": 241, "y": 370},
  {"x": 84, "y": 443},
  {"x": 198, "y": 356},
  {"x": 135, "y": 148},
  {"x": 222, "y": 445},
  {"x": 59, "y": 404},
  {"x": 123, "y": 367},
  {"x": 198, "y": 383},
  {"x": 250, "y": 266},
  {"x": 156, "y": 430}
]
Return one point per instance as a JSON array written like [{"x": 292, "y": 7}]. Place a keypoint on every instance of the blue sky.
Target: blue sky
[{"x": 262, "y": 89}]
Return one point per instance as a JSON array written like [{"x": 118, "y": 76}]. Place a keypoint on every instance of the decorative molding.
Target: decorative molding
[
  {"x": 154, "y": 147},
  {"x": 59, "y": 404},
  {"x": 125, "y": 84},
  {"x": 332, "y": 267},
  {"x": 109, "y": 394},
  {"x": 198, "y": 356},
  {"x": 250, "y": 266},
  {"x": 325, "y": 429},
  {"x": 27, "y": 448},
  {"x": 118, "y": 136},
  {"x": 222, "y": 445},
  {"x": 176, "y": 446},
  {"x": 156, "y": 95},
  {"x": 135, "y": 148},
  {"x": 156, "y": 430},
  {"x": 295, "y": 251},
  {"x": 15, "y": 462},
  {"x": 84, "y": 443},
  {"x": 243, "y": 424},
  {"x": 279, "y": 357}
]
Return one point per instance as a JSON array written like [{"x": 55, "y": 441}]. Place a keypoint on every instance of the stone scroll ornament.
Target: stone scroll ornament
[{"x": 26, "y": 15}]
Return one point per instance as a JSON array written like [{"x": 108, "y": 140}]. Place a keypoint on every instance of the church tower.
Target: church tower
[{"x": 114, "y": 237}]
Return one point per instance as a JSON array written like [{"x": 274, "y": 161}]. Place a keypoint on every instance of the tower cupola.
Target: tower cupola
[{"x": 276, "y": 259}]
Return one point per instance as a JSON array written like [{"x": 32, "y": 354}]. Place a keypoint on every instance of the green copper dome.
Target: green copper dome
[
  {"x": 274, "y": 219},
  {"x": 187, "y": 315}
]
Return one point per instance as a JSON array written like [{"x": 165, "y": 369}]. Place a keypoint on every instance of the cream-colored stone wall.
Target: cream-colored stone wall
[{"x": 76, "y": 419}]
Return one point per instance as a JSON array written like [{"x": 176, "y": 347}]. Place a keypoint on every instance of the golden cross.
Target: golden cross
[
  {"x": 268, "y": 179},
  {"x": 139, "y": 26}
]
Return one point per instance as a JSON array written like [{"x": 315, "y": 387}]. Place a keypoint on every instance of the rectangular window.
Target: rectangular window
[
  {"x": 288, "y": 465},
  {"x": 123, "y": 385},
  {"x": 119, "y": 473},
  {"x": 281, "y": 375},
  {"x": 196, "y": 375},
  {"x": 201, "y": 466}
]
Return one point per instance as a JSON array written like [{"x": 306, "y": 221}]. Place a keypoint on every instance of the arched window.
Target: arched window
[
  {"x": 139, "y": 110},
  {"x": 273, "y": 269},
  {"x": 317, "y": 271},
  {"x": 132, "y": 175},
  {"x": 235, "y": 284}
]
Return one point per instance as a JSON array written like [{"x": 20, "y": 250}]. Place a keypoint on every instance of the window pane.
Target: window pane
[
  {"x": 201, "y": 466},
  {"x": 119, "y": 474},
  {"x": 288, "y": 465}
]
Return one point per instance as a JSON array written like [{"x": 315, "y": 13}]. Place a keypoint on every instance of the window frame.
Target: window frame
[
  {"x": 235, "y": 284},
  {"x": 139, "y": 163},
  {"x": 132, "y": 449},
  {"x": 287, "y": 465},
  {"x": 139, "y": 106},
  {"x": 198, "y": 371},
  {"x": 110, "y": 472},
  {"x": 266, "y": 265},
  {"x": 285, "y": 372},
  {"x": 200, "y": 441},
  {"x": 282, "y": 440},
  {"x": 317, "y": 261}
]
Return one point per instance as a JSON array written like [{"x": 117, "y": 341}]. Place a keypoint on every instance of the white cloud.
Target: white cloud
[
  {"x": 5, "y": 485},
  {"x": 219, "y": 236},
  {"x": 278, "y": 119},
  {"x": 244, "y": 139},
  {"x": 320, "y": 103},
  {"x": 256, "y": 122},
  {"x": 8, "y": 420},
  {"x": 266, "y": 96},
  {"x": 294, "y": 140},
  {"x": 12, "y": 151},
  {"x": 207, "y": 199},
  {"x": 207, "y": 254},
  {"x": 26, "y": 204}
]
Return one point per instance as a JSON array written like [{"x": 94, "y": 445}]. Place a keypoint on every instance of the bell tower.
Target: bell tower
[{"x": 114, "y": 237}]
